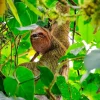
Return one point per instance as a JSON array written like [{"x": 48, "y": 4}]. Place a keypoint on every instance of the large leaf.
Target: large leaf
[
  {"x": 55, "y": 89},
  {"x": 51, "y": 3},
  {"x": 77, "y": 64},
  {"x": 75, "y": 48},
  {"x": 97, "y": 38},
  {"x": 7, "y": 50},
  {"x": 22, "y": 85},
  {"x": 40, "y": 88},
  {"x": 68, "y": 92},
  {"x": 74, "y": 93},
  {"x": 14, "y": 11},
  {"x": 85, "y": 29},
  {"x": 27, "y": 17},
  {"x": 10, "y": 86},
  {"x": 83, "y": 97},
  {"x": 71, "y": 56},
  {"x": 23, "y": 14},
  {"x": 23, "y": 46},
  {"x": 26, "y": 83},
  {"x": 92, "y": 60},
  {"x": 63, "y": 87},
  {"x": 12, "y": 23},
  {"x": 32, "y": 2},
  {"x": 46, "y": 75},
  {"x": 8, "y": 68},
  {"x": 91, "y": 91},
  {"x": 32, "y": 7}
]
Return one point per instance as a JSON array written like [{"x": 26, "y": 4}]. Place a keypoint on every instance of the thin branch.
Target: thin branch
[
  {"x": 74, "y": 29},
  {"x": 55, "y": 77},
  {"x": 72, "y": 2},
  {"x": 50, "y": 94},
  {"x": 10, "y": 58},
  {"x": 74, "y": 36}
]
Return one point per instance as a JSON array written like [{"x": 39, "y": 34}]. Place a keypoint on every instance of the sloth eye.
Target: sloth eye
[
  {"x": 40, "y": 33},
  {"x": 34, "y": 35}
]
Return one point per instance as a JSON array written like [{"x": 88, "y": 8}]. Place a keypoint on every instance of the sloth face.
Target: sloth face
[{"x": 40, "y": 40}]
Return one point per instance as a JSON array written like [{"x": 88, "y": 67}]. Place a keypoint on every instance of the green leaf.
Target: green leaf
[
  {"x": 77, "y": 64},
  {"x": 90, "y": 90},
  {"x": 75, "y": 48},
  {"x": 92, "y": 60},
  {"x": 24, "y": 17},
  {"x": 8, "y": 68},
  {"x": 25, "y": 78},
  {"x": 76, "y": 1},
  {"x": 51, "y": 3},
  {"x": 86, "y": 30},
  {"x": 83, "y": 97},
  {"x": 68, "y": 92},
  {"x": 24, "y": 74},
  {"x": 46, "y": 75},
  {"x": 1, "y": 19},
  {"x": 10, "y": 86},
  {"x": 74, "y": 93},
  {"x": 2, "y": 59},
  {"x": 23, "y": 46},
  {"x": 33, "y": 16},
  {"x": 40, "y": 88},
  {"x": 7, "y": 50},
  {"x": 71, "y": 56},
  {"x": 1, "y": 83},
  {"x": 43, "y": 23},
  {"x": 63, "y": 87},
  {"x": 31, "y": 7},
  {"x": 23, "y": 59},
  {"x": 12, "y": 24},
  {"x": 27, "y": 17},
  {"x": 32, "y": 2},
  {"x": 97, "y": 36},
  {"x": 55, "y": 90},
  {"x": 14, "y": 11}
]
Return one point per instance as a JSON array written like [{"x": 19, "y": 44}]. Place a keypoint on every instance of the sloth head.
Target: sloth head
[{"x": 40, "y": 40}]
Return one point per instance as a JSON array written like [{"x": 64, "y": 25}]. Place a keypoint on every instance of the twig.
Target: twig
[
  {"x": 74, "y": 36},
  {"x": 72, "y": 2},
  {"x": 55, "y": 77},
  {"x": 74, "y": 29}
]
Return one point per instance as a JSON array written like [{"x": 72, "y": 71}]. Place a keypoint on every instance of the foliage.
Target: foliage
[{"x": 15, "y": 48}]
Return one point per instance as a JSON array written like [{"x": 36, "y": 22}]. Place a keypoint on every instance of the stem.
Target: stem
[
  {"x": 50, "y": 94},
  {"x": 55, "y": 77},
  {"x": 74, "y": 29},
  {"x": 11, "y": 59},
  {"x": 72, "y": 2}
]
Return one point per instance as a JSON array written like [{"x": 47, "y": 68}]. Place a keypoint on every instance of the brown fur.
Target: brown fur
[{"x": 58, "y": 42}]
